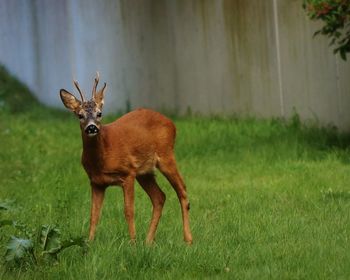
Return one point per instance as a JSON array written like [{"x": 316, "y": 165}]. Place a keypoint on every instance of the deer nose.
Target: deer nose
[{"x": 91, "y": 129}]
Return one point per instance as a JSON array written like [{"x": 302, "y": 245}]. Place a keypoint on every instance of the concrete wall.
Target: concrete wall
[{"x": 224, "y": 56}]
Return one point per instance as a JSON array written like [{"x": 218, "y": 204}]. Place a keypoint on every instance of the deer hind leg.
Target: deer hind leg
[
  {"x": 97, "y": 196},
  {"x": 168, "y": 168},
  {"x": 129, "y": 197},
  {"x": 150, "y": 186}
]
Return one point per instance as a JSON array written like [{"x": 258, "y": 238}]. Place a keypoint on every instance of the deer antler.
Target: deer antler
[
  {"x": 97, "y": 79},
  {"x": 75, "y": 82}
]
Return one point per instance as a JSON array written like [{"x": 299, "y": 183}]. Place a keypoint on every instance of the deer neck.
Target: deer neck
[{"x": 93, "y": 147}]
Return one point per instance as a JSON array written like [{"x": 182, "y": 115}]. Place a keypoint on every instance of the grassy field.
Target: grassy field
[{"x": 270, "y": 199}]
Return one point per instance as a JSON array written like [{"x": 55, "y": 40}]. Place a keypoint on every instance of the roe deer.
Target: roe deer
[{"x": 127, "y": 149}]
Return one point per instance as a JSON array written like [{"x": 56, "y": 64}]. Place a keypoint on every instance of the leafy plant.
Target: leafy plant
[
  {"x": 35, "y": 247},
  {"x": 45, "y": 247},
  {"x": 49, "y": 238},
  {"x": 51, "y": 244},
  {"x": 19, "y": 249},
  {"x": 335, "y": 15},
  {"x": 6, "y": 204}
]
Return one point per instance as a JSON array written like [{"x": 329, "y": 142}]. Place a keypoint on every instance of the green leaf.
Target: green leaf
[
  {"x": 6, "y": 204},
  {"x": 18, "y": 248},
  {"x": 79, "y": 241},
  {"x": 50, "y": 239},
  {"x": 343, "y": 54},
  {"x": 3, "y": 206},
  {"x": 52, "y": 255}
]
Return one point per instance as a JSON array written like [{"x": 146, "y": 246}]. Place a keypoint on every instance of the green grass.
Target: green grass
[{"x": 270, "y": 199}]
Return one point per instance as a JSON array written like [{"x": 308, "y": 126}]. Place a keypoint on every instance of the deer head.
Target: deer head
[{"x": 89, "y": 112}]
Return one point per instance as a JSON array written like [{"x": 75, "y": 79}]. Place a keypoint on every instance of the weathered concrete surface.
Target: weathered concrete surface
[
  {"x": 214, "y": 57},
  {"x": 17, "y": 41}
]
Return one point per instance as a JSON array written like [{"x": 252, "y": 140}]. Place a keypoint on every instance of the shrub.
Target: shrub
[{"x": 335, "y": 15}]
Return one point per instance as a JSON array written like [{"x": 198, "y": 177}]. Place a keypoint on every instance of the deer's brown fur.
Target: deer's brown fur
[{"x": 130, "y": 148}]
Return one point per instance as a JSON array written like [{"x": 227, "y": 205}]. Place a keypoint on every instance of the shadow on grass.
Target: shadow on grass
[
  {"x": 317, "y": 136},
  {"x": 17, "y": 100},
  {"x": 330, "y": 195},
  {"x": 14, "y": 96}
]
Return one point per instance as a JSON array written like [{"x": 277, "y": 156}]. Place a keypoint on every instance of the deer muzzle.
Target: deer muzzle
[{"x": 91, "y": 129}]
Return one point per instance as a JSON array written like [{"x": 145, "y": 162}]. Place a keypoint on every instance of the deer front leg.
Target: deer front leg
[
  {"x": 129, "y": 197},
  {"x": 97, "y": 196}
]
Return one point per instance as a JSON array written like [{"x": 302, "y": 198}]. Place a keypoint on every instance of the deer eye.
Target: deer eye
[
  {"x": 99, "y": 114},
  {"x": 80, "y": 116}
]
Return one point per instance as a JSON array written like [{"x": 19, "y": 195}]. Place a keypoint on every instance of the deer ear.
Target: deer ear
[
  {"x": 100, "y": 95},
  {"x": 69, "y": 100}
]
